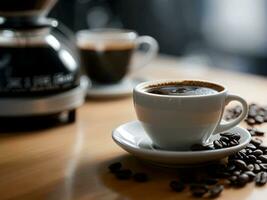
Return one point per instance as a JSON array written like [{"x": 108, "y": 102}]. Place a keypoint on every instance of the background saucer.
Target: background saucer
[
  {"x": 123, "y": 88},
  {"x": 132, "y": 138}
]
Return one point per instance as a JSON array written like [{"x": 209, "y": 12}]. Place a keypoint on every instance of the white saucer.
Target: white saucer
[
  {"x": 132, "y": 138},
  {"x": 123, "y": 88}
]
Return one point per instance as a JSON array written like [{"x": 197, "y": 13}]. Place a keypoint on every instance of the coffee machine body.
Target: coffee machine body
[{"x": 39, "y": 62}]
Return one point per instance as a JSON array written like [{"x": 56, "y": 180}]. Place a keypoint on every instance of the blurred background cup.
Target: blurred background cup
[{"x": 107, "y": 54}]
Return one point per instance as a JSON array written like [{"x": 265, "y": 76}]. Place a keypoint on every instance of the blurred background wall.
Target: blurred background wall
[{"x": 222, "y": 33}]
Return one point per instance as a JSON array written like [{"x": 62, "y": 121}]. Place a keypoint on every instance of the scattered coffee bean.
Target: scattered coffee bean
[
  {"x": 240, "y": 164},
  {"x": 251, "y": 146},
  {"x": 256, "y": 115},
  {"x": 200, "y": 147},
  {"x": 251, "y": 121},
  {"x": 262, "y": 147},
  {"x": 263, "y": 167},
  {"x": 261, "y": 178},
  {"x": 256, "y": 141},
  {"x": 217, "y": 144},
  {"x": 233, "y": 179},
  {"x": 251, "y": 158},
  {"x": 140, "y": 177},
  {"x": 258, "y": 161},
  {"x": 199, "y": 191},
  {"x": 242, "y": 180},
  {"x": 259, "y": 133},
  {"x": 210, "y": 181},
  {"x": 259, "y": 119},
  {"x": 257, "y": 152},
  {"x": 115, "y": 167},
  {"x": 251, "y": 175},
  {"x": 263, "y": 158},
  {"x": 235, "y": 136},
  {"x": 177, "y": 186},
  {"x": 257, "y": 168},
  {"x": 123, "y": 174},
  {"x": 224, "y": 139},
  {"x": 251, "y": 167},
  {"x": 215, "y": 191},
  {"x": 226, "y": 134}
]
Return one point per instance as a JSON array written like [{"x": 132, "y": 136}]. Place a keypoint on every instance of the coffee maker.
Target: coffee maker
[{"x": 39, "y": 63}]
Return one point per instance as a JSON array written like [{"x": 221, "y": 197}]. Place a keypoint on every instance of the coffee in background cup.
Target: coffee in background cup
[
  {"x": 106, "y": 53},
  {"x": 177, "y": 114}
]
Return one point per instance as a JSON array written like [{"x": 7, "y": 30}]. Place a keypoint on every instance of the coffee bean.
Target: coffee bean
[
  {"x": 252, "y": 158},
  {"x": 257, "y": 168},
  {"x": 251, "y": 146},
  {"x": 177, "y": 186},
  {"x": 232, "y": 179},
  {"x": 224, "y": 144},
  {"x": 263, "y": 167},
  {"x": 251, "y": 121},
  {"x": 242, "y": 180},
  {"x": 251, "y": 175},
  {"x": 115, "y": 167},
  {"x": 123, "y": 174},
  {"x": 259, "y": 133},
  {"x": 217, "y": 144},
  {"x": 140, "y": 177},
  {"x": 249, "y": 151},
  {"x": 210, "y": 181},
  {"x": 199, "y": 190},
  {"x": 261, "y": 178},
  {"x": 235, "y": 136},
  {"x": 233, "y": 143},
  {"x": 224, "y": 139},
  {"x": 261, "y": 113},
  {"x": 200, "y": 147},
  {"x": 236, "y": 173},
  {"x": 230, "y": 167},
  {"x": 215, "y": 191},
  {"x": 226, "y": 134},
  {"x": 257, "y": 152},
  {"x": 251, "y": 167},
  {"x": 259, "y": 119},
  {"x": 243, "y": 151},
  {"x": 252, "y": 113},
  {"x": 241, "y": 155},
  {"x": 262, "y": 147},
  {"x": 197, "y": 185},
  {"x": 263, "y": 158},
  {"x": 241, "y": 165},
  {"x": 256, "y": 141}
]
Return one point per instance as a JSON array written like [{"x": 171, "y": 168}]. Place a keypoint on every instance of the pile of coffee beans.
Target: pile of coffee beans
[
  {"x": 126, "y": 174},
  {"x": 256, "y": 114},
  {"x": 226, "y": 139}
]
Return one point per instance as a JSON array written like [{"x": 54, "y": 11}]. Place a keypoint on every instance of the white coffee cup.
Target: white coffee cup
[{"x": 176, "y": 122}]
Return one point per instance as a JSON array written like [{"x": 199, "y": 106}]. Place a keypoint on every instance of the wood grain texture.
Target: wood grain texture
[{"x": 70, "y": 162}]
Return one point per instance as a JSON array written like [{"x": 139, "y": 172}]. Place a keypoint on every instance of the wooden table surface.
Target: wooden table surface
[{"x": 70, "y": 162}]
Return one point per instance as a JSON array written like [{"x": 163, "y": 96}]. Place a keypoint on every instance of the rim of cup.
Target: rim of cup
[
  {"x": 141, "y": 88},
  {"x": 107, "y": 34}
]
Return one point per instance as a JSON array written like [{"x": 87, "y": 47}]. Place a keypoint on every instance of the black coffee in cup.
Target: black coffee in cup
[
  {"x": 185, "y": 88},
  {"x": 106, "y": 63},
  {"x": 106, "y": 54}
]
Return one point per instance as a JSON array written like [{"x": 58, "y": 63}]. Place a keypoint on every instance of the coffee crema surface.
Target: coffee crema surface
[{"x": 184, "y": 89}]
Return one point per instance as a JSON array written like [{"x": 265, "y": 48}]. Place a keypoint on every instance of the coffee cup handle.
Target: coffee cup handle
[
  {"x": 228, "y": 125},
  {"x": 150, "y": 54}
]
